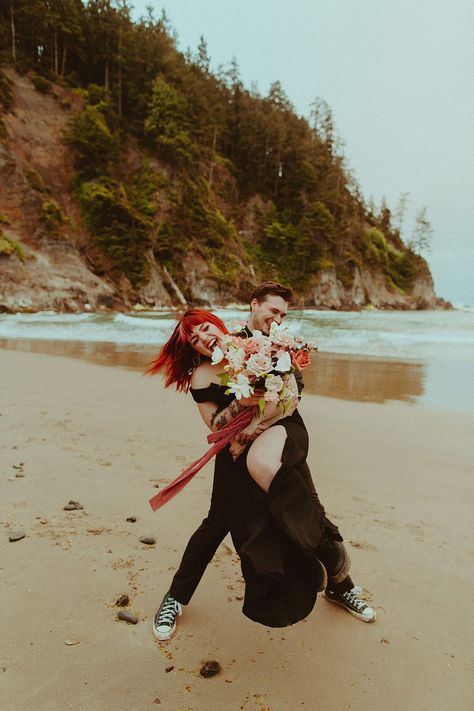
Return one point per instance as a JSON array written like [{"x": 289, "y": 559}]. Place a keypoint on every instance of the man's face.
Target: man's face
[{"x": 263, "y": 313}]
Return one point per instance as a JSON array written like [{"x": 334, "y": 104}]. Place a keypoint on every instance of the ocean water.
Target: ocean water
[{"x": 421, "y": 356}]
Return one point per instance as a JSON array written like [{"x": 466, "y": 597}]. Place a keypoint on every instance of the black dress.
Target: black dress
[{"x": 281, "y": 579}]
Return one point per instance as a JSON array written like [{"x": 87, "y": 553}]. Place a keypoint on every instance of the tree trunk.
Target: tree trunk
[
  {"x": 63, "y": 61},
  {"x": 120, "y": 73},
  {"x": 211, "y": 167},
  {"x": 56, "y": 62},
  {"x": 12, "y": 24},
  {"x": 106, "y": 75}
]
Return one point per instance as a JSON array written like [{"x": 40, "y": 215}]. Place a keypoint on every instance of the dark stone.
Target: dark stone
[
  {"x": 132, "y": 519},
  {"x": 148, "y": 540},
  {"x": 19, "y": 475},
  {"x": 122, "y": 601},
  {"x": 16, "y": 536},
  {"x": 73, "y": 506},
  {"x": 127, "y": 617},
  {"x": 210, "y": 668},
  {"x": 168, "y": 669}
]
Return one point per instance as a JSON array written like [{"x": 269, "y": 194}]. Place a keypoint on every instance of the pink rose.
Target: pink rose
[
  {"x": 270, "y": 396},
  {"x": 250, "y": 345},
  {"x": 258, "y": 364},
  {"x": 300, "y": 359}
]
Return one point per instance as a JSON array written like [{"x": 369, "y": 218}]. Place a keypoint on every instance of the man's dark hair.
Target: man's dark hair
[{"x": 271, "y": 288}]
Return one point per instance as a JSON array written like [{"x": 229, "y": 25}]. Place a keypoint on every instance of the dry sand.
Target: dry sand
[{"x": 397, "y": 478}]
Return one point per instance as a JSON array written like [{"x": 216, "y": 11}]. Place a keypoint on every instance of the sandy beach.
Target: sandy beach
[{"x": 396, "y": 478}]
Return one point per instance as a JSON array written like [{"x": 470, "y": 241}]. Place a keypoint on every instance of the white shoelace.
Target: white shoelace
[
  {"x": 354, "y": 600},
  {"x": 168, "y": 613}
]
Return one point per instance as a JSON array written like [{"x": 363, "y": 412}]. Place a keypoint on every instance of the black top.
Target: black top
[{"x": 213, "y": 393}]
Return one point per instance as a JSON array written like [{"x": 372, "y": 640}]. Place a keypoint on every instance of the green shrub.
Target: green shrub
[
  {"x": 4, "y": 219},
  {"x": 41, "y": 84},
  {"x": 322, "y": 263},
  {"x": 52, "y": 217},
  {"x": 117, "y": 228},
  {"x": 142, "y": 190},
  {"x": 400, "y": 267},
  {"x": 34, "y": 179},
  {"x": 167, "y": 124},
  {"x": 6, "y": 93},
  {"x": 8, "y": 247},
  {"x": 345, "y": 272},
  {"x": 95, "y": 145}
]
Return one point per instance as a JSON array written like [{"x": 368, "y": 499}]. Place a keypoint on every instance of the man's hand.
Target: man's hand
[{"x": 253, "y": 400}]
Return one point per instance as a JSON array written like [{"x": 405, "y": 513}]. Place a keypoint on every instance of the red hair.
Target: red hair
[{"x": 177, "y": 357}]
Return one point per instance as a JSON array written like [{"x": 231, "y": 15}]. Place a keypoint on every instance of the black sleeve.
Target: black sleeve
[{"x": 299, "y": 380}]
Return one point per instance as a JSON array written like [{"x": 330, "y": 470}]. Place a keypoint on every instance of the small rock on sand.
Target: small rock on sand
[
  {"x": 148, "y": 540},
  {"x": 127, "y": 617},
  {"x": 132, "y": 519},
  {"x": 73, "y": 506},
  {"x": 122, "y": 601},
  {"x": 210, "y": 668},
  {"x": 16, "y": 536}
]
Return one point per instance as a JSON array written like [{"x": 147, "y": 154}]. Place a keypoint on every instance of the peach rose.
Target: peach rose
[{"x": 301, "y": 359}]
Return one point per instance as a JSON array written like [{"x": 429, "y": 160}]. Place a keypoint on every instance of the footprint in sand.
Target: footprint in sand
[
  {"x": 417, "y": 532},
  {"x": 362, "y": 545}
]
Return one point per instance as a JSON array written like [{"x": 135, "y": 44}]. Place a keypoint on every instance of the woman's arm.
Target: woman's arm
[
  {"x": 214, "y": 418},
  {"x": 259, "y": 423}
]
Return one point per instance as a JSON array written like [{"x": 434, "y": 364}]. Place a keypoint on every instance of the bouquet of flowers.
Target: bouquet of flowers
[
  {"x": 256, "y": 363},
  {"x": 262, "y": 363}
]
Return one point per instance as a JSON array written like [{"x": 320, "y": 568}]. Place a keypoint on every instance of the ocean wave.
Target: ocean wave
[{"x": 382, "y": 334}]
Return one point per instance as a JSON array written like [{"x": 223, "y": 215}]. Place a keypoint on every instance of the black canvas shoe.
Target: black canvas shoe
[
  {"x": 353, "y": 604},
  {"x": 164, "y": 624}
]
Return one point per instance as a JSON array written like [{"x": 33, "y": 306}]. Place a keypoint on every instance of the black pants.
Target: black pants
[{"x": 205, "y": 541}]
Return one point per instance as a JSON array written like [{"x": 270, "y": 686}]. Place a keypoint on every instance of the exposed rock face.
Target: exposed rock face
[
  {"x": 59, "y": 269},
  {"x": 369, "y": 288},
  {"x": 35, "y": 168}
]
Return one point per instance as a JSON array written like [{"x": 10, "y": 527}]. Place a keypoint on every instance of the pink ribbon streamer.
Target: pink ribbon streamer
[{"x": 218, "y": 440}]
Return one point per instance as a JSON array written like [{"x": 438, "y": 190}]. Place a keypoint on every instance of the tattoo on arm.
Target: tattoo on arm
[{"x": 220, "y": 419}]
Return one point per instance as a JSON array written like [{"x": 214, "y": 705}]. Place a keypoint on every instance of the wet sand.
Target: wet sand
[
  {"x": 346, "y": 377},
  {"x": 397, "y": 479}
]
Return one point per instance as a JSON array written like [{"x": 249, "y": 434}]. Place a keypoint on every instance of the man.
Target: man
[{"x": 269, "y": 302}]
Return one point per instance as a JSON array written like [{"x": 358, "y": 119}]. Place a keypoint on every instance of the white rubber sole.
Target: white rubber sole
[{"x": 359, "y": 615}]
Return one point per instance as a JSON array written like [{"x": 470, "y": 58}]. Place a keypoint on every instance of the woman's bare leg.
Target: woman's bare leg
[{"x": 264, "y": 456}]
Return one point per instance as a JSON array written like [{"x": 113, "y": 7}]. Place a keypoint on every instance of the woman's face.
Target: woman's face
[{"x": 205, "y": 337}]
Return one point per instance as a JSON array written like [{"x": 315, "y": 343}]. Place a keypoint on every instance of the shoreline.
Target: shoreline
[
  {"x": 342, "y": 376},
  {"x": 103, "y": 436}
]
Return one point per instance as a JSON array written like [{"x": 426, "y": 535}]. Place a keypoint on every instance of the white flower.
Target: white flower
[
  {"x": 280, "y": 335},
  {"x": 283, "y": 363},
  {"x": 217, "y": 356},
  {"x": 273, "y": 383},
  {"x": 241, "y": 388},
  {"x": 258, "y": 364},
  {"x": 235, "y": 358}
]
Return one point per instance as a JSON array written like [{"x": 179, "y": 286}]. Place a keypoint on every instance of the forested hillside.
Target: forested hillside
[{"x": 171, "y": 183}]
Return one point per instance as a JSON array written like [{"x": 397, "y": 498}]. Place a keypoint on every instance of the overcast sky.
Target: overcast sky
[{"x": 398, "y": 76}]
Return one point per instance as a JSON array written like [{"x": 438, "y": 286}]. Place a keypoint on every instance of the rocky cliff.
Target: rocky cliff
[{"x": 48, "y": 260}]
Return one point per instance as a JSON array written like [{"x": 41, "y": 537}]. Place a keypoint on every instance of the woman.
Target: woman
[{"x": 276, "y": 527}]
